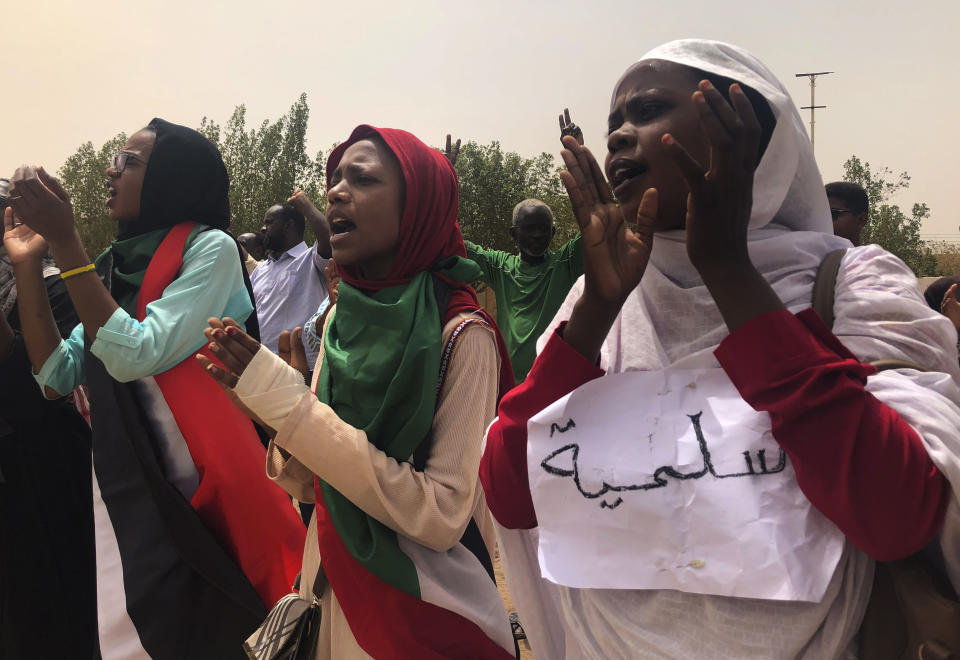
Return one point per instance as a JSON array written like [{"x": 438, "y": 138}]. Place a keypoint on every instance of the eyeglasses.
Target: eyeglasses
[
  {"x": 836, "y": 213},
  {"x": 120, "y": 160}
]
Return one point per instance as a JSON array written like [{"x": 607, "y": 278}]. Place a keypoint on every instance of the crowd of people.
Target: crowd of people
[{"x": 227, "y": 447}]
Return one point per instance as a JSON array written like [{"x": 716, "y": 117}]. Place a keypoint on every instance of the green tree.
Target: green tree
[
  {"x": 492, "y": 181},
  {"x": 84, "y": 176},
  {"x": 266, "y": 164},
  {"x": 889, "y": 226}
]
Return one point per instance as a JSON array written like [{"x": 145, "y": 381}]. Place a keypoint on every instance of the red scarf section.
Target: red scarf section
[{"x": 250, "y": 516}]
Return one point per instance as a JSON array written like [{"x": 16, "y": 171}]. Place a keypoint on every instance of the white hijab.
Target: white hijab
[
  {"x": 671, "y": 318},
  {"x": 671, "y": 315}
]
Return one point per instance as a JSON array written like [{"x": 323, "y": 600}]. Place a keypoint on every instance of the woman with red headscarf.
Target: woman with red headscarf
[{"x": 388, "y": 441}]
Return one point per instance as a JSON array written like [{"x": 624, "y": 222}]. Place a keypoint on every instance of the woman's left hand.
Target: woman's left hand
[
  {"x": 721, "y": 197},
  {"x": 42, "y": 204},
  {"x": 232, "y": 346}
]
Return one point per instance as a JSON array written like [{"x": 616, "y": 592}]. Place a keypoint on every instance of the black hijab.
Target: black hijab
[{"x": 185, "y": 180}]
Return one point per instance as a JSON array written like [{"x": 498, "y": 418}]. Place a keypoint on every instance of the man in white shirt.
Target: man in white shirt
[{"x": 289, "y": 284}]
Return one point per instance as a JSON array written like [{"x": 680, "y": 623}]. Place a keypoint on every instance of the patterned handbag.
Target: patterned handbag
[{"x": 291, "y": 629}]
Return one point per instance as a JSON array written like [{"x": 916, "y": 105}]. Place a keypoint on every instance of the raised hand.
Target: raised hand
[
  {"x": 567, "y": 127},
  {"x": 721, "y": 196},
  {"x": 452, "y": 152},
  {"x": 41, "y": 203},
  {"x": 298, "y": 197},
  {"x": 23, "y": 244},
  {"x": 615, "y": 255}
]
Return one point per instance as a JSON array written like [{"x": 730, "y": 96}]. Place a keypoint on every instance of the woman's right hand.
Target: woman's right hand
[
  {"x": 614, "y": 255},
  {"x": 23, "y": 244}
]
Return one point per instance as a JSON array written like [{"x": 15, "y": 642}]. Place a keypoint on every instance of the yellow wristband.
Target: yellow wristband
[{"x": 77, "y": 271}]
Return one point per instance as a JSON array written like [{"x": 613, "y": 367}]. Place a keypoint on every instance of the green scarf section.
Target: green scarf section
[
  {"x": 379, "y": 373},
  {"x": 130, "y": 260}
]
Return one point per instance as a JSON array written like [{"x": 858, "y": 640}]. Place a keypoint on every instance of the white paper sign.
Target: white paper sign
[{"x": 669, "y": 480}]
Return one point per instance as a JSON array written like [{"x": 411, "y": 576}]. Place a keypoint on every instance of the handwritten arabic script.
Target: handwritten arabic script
[
  {"x": 694, "y": 492},
  {"x": 661, "y": 472}
]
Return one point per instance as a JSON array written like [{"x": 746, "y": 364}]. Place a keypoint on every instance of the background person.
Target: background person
[
  {"x": 941, "y": 296},
  {"x": 849, "y": 208},
  {"x": 289, "y": 284},
  {"x": 529, "y": 285},
  {"x": 252, "y": 245}
]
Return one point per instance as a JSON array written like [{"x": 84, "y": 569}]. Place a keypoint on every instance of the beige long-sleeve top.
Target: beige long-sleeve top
[{"x": 432, "y": 507}]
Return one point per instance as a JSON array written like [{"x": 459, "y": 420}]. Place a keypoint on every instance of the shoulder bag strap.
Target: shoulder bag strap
[
  {"x": 422, "y": 451},
  {"x": 824, "y": 286}
]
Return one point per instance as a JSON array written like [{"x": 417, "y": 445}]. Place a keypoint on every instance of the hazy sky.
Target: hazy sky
[{"x": 78, "y": 71}]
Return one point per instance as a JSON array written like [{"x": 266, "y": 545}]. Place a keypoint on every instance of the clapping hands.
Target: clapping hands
[
  {"x": 615, "y": 255},
  {"x": 40, "y": 202}
]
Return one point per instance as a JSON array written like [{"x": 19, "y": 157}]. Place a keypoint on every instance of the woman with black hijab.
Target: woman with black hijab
[{"x": 193, "y": 542}]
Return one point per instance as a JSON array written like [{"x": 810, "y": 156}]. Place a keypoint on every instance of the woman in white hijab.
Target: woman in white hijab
[{"x": 732, "y": 223}]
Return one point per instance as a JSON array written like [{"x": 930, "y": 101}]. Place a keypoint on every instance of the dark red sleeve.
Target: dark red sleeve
[
  {"x": 557, "y": 371},
  {"x": 856, "y": 459}
]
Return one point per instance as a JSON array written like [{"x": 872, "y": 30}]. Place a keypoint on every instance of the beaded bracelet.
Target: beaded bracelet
[{"x": 77, "y": 271}]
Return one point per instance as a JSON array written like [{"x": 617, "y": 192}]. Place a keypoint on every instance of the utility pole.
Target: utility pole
[{"x": 812, "y": 107}]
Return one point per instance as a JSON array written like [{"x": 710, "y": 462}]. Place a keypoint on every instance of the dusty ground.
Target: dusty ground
[{"x": 525, "y": 653}]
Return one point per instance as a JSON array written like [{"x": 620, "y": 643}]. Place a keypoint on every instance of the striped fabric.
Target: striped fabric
[
  {"x": 458, "y": 615},
  {"x": 277, "y": 632},
  {"x": 454, "y": 610}
]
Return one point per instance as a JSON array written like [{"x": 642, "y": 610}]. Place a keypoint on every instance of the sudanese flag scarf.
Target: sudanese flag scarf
[
  {"x": 172, "y": 556},
  {"x": 379, "y": 373}
]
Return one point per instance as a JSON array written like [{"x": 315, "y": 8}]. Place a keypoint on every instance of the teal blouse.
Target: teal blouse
[{"x": 210, "y": 284}]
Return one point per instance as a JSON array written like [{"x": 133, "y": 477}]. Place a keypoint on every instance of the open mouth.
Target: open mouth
[
  {"x": 111, "y": 194},
  {"x": 624, "y": 172},
  {"x": 341, "y": 226}
]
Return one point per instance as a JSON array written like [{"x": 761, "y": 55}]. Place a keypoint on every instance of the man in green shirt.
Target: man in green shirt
[{"x": 530, "y": 286}]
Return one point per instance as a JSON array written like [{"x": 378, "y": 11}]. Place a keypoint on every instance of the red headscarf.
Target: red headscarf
[{"x": 429, "y": 231}]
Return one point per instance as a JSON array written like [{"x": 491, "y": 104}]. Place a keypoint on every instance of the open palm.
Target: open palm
[{"x": 614, "y": 255}]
